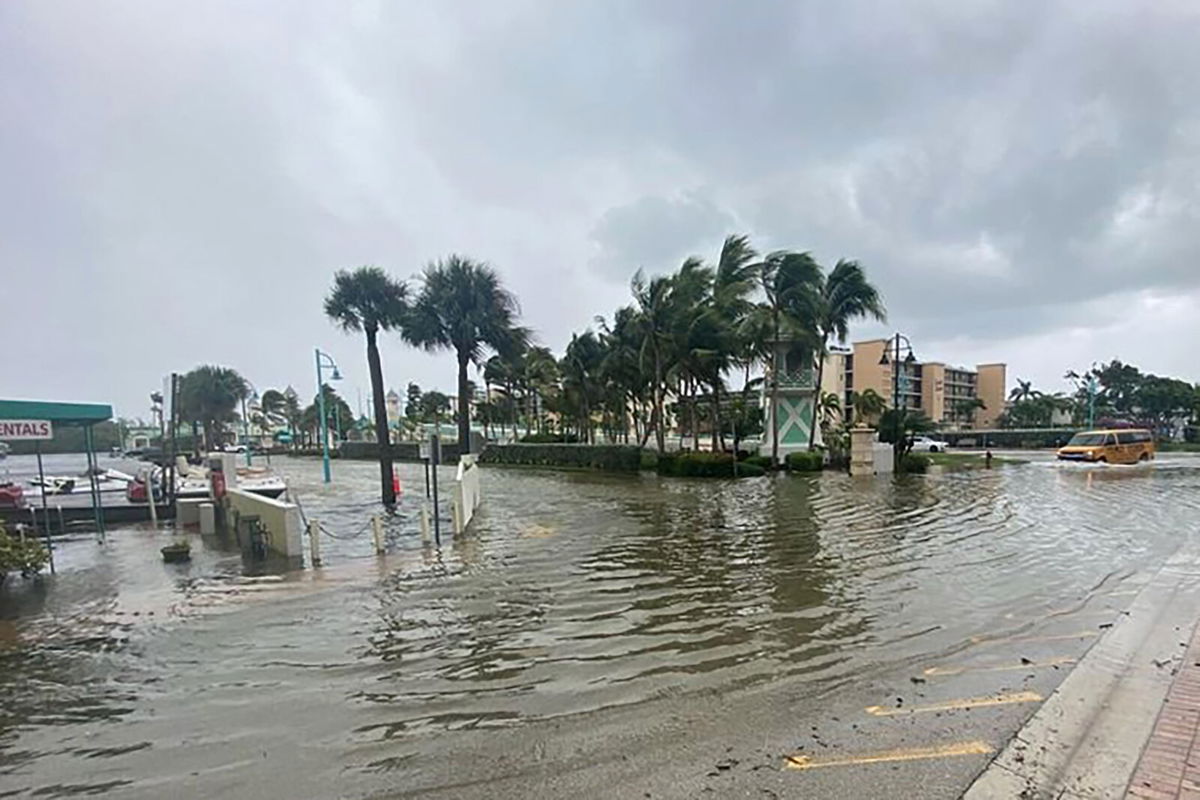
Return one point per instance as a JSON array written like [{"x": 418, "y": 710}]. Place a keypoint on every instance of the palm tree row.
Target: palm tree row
[
  {"x": 460, "y": 306},
  {"x": 683, "y": 336}
]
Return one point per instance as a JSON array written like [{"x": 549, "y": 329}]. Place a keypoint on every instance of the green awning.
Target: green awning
[{"x": 58, "y": 413}]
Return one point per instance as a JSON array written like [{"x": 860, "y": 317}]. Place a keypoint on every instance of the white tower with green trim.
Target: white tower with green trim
[{"x": 791, "y": 418}]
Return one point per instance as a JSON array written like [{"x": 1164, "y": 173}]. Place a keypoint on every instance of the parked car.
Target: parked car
[{"x": 925, "y": 444}]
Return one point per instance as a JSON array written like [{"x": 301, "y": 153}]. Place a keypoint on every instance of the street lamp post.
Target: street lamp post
[
  {"x": 246, "y": 421},
  {"x": 333, "y": 376},
  {"x": 899, "y": 342}
]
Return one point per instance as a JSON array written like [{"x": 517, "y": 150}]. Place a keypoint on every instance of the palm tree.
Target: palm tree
[
  {"x": 462, "y": 306},
  {"x": 1023, "y": 391},
  {"x": 867, "y": 404},
  {"x": 209, "y": 396},
  {"x": 369, "y": 300},
  {"x": 845, "y": 295},
  {"x": 653, "y": 299},
  {"x": 967, "y": 406},
  {"x": 580, "y": 371},
  {"x": 790, "y": 281},
  {"x": 293, "y": 413}
]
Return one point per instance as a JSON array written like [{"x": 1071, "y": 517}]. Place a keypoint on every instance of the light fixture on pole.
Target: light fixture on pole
[{"x": 324, "y": 360}]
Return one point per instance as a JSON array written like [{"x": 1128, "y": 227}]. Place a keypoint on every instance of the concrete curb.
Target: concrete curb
[{"x": 1085, "y": 740}]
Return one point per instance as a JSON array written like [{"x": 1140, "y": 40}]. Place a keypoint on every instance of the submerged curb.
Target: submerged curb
[{"x": 1086, "y": 740}]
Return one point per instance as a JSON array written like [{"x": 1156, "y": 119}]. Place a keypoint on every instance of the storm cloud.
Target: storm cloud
[{"x": 181, "y": 181}]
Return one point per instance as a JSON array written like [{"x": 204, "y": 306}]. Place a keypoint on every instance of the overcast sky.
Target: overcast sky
[{"x": 179, "y": 181}]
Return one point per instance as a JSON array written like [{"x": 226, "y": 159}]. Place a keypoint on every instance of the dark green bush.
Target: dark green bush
[
  {"x": 759, "y": 461},
  {"x": 649, "y": 460},
  {"x": 805, "y": 461},
  {"x": 745, "y": 469},
  {"x": 914, "y": 463},
  {"x": 704, "y": 465},
  {"x": 26, "y": 557},
  {"x": 550, "y": 438},
  {"x": 614, "y": 457}
]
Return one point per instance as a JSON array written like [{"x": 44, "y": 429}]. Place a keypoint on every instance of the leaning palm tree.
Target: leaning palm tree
[
  {"x": 656, "y": 324},
  {"x": 208, "y": 397},
  {"x": 462, "y": 306},
  {"x": 370, "y": 300},
  {"x": 845, "y": 295},
  {"x": 867, "y": 404}
]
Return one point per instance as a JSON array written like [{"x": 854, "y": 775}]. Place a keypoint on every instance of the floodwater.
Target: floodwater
[{"x": 572, "y": 593}]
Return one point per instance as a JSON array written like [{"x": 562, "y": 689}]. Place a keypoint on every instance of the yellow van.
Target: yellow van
[{"x": 1124, "y": 446}]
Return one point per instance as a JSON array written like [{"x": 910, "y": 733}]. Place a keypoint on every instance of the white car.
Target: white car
[{"x": 924, "y": 444}]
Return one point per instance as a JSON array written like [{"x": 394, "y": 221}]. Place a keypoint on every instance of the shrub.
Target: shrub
[
  {"x": 614, "y": 457},
  {"x": 649, "y": 460},
  {"x": 550, "y": 438},
  {"x": 763, "y": 462},
  {"x": 805, "y": 461},
  {"x": 914, "y": 463},
  {"x": 27, "y": 557},
  {"x": 704, "y": 465}
]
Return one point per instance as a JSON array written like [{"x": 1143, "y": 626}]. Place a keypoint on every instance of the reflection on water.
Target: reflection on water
[{"x": 573, "y": 592}]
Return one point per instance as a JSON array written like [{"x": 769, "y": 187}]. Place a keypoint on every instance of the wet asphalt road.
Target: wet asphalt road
[{"x": 593, "y": 636}]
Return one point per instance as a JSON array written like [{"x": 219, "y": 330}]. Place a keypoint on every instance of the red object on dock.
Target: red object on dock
[
  {"x": 12, "y": 496},
  {"x": 396, "y": 487}
]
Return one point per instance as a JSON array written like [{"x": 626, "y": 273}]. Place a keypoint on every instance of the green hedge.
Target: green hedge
[
  {"x": 614, "y": 457},
  {"x": 914, "y": 463},
  {"x": 805, "y": 461},
  {"x": 550, "y": 438},
  {"x": 759, "y": 461},
  {"x": 705, "y": 465}
]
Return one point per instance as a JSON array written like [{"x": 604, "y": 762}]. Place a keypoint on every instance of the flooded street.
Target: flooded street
[{"x": 588, "y": 625}]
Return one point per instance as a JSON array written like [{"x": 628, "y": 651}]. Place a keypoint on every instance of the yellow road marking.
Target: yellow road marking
[
  {"x": 1051, "y": 638},
  {"x": 954, "y": 705},
  {"x": 976, "y": 748},
  {"x": 1052, "y": 662}
]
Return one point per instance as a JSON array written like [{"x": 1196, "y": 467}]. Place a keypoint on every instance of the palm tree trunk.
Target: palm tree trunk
[
  {"x": 774, "y": 391},
  {"x": 464, "y": 405},
  {"x": 718, "y": 441},
  {"x": 659, "y": 433},
  {"x": 812, "y": 431},
  {"x": 383, "y": 438}
]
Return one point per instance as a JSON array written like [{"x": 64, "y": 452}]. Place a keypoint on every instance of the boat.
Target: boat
[
  {"x": 11, "y": 495},
  {"x": 193, "y": 481}
]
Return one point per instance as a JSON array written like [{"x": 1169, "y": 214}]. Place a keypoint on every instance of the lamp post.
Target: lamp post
[
  {"x": 334, "y": 375},
  {"x": 899, "y": 342}
]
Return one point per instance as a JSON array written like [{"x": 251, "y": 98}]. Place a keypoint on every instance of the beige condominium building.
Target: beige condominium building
[{"x": 944, "y": 393}]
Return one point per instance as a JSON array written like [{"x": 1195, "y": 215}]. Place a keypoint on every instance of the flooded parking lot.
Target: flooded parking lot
[{"x": 609, "y": 632}]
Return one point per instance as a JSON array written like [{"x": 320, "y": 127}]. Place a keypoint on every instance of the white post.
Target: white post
[
  {"x": 377, "y": 529},
  {"x": 314, "y": 542},
  {"x": 424, "y": 523},
  {"x": 455, "y": 515},
  {"x": 150, "y": 498}
]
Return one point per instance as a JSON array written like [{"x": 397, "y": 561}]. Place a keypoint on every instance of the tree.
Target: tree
[
  {"x": 209, "y": 396},
  {"x": 293, "y": 413},
  {"x": 581, "y": 375},
  {"x": 844, "y": 296},
  {"x": 907, "y": 423},
  {"x": 463, "y": 306},
  {"x": 1023, "y": 391},
  {"x": 369, "y": 300},
  {"x": 412, "y": 401},
  {"x": 653, "y": 299},
  {"x": 965, "y": 408},
  {"x": 273, "y": 404},
  {"x": 867, "y": 404}
]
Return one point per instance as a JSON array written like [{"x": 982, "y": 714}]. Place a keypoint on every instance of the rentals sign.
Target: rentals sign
[{"x": 25, "y": 429}]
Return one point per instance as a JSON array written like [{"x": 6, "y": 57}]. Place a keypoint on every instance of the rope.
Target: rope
[{"x": 321, "y": 526}]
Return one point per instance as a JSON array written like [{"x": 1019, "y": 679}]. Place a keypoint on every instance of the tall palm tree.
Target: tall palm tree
[
  {"x": 1023, "y": 391},
  {"x": 462, "y": 306},
  {"x": 369, "y": 300},
  {"x": 790, "y": 281},
  {"x": 653, "y": 299},
  {"x": 845, "y": 295},
  {"x": 867, "y": 404},
  {"x": 209, "y": 396}
]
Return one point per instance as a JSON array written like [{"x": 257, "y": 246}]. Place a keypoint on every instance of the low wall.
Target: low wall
[
  {"x": 401, "y": 451},
  {"x": 466, "y": 495},
  {"x": 280, "y": 519}
]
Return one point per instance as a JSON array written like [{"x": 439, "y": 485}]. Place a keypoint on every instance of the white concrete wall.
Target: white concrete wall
[
  {"x": 466, "y": 495},
  {"x": 281, "y": 520}
]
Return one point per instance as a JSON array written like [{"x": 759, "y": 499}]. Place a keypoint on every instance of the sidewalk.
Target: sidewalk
[
  {"x": 1126, "y": 721},
  {"x": 1169, "y": 767}
]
